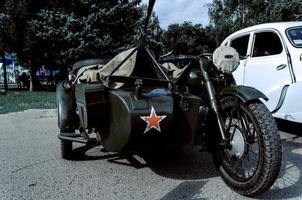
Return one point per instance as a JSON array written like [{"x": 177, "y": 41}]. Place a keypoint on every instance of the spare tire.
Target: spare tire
[{"x": 88, "y": 62}]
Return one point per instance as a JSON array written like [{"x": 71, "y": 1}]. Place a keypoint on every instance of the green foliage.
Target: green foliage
[
  {"x": 4, "y": 22},
  {"x": 14, "y": 33},
  {"x": 12, "y": 15},
  {"x": 228, "y": 16},
  {"x": 187, "y": 38},
  {"x": 92, "y": 29},
  {"x": 60, "y": 32}
]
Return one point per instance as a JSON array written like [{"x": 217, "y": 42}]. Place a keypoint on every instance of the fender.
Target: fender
[
  {"x": 245, "y": 93},
  {"x": 66, "y": 105}
]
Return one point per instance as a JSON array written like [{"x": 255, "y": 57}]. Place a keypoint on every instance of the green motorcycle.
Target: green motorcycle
[{"x": 133, "y": 103}]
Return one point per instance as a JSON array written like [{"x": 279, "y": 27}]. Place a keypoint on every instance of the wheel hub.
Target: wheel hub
[{"x": 237, "y": 143}]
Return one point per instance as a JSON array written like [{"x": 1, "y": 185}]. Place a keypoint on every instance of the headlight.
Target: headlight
[
  {"x": 226, "y": 59},
  {"x": 66, "y": 85}
]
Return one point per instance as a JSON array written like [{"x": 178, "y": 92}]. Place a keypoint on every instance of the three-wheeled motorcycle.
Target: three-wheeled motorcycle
[{"x": 133, "y": 103}]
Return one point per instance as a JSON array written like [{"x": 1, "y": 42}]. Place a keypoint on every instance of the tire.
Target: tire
[
  {"x": 87, "y": 62},
  {"x": 66, "y": 149},
  {"x": 254, "y": 135}
]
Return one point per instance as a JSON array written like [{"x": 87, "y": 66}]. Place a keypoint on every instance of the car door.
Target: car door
[
  {"x": 241, "y": 44},
  {"x": 267, "y": 68}
]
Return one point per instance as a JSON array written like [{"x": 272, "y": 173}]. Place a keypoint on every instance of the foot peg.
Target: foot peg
[{"x": 72, "y": 137}]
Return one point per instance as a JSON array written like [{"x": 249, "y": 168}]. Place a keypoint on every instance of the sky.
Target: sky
[{"x": 178, "y": 11}]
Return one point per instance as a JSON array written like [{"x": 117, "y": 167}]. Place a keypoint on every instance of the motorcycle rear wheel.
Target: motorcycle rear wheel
[{"x": 252, "y": 164}]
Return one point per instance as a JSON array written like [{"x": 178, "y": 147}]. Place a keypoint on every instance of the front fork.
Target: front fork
[{"x": 213, "y": 102}]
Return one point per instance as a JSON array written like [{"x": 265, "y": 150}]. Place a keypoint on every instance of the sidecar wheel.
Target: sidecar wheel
[
  {"x": 252, "y": 164},
  {"x": 66, "y": 149}
]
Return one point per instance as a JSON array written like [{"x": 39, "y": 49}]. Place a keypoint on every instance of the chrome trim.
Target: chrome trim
[{"x": 281, "y": 99}]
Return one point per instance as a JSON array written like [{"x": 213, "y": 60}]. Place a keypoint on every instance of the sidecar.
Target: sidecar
[{"x": 128, "y": 104}]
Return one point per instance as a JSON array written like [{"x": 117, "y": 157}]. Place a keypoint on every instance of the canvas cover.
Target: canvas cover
[
  {"x": 138, "y": 64},
  {"x": 176, "y": 72}
]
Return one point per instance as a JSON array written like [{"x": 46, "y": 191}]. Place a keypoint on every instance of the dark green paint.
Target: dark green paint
[
  {"x": 126, "y": 129},
  {"x": 194, "y": 78},
  {"x": 65, "y": 99},
  {"x": 245, "y": 93},
  {"x": 92, "y": 104}
]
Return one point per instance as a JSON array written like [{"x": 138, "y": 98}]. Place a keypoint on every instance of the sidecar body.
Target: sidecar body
[{"x": 131, "y": 106}]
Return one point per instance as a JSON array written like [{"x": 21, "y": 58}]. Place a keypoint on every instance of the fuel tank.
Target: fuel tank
[{"x": 138, "y": 122}]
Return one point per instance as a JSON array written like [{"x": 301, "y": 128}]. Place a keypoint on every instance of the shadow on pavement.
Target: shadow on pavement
[
  {"x": 183, "y": 164},
  {"x": 289, "y": 182},
  {"x": 188, "y": 190},
  {"x": 195, "y": 167},
  {"x": 289, "y": 127},
  {"x": 91, "y": 153},
  {"x": 175, "y": 164}
]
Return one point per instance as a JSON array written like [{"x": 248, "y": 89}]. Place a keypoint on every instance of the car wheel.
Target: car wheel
[{"x": 252, "y": 163}]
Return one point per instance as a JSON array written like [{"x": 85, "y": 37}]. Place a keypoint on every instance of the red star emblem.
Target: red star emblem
[{"x": 153, "y": 120}]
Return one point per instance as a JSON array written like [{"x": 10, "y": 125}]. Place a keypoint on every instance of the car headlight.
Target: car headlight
[{"x": 226, "y": 59}]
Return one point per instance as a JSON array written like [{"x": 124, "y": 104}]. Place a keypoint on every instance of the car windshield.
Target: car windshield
[{"x": 295, "y": 36}]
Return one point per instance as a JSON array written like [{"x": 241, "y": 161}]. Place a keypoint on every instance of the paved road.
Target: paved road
[{"x": 31, "y": 168}]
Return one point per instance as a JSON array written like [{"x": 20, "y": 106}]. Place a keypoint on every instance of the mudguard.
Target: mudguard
[
  {"x": 245, "y": 93},
  {"x": 65, "y": 100}
]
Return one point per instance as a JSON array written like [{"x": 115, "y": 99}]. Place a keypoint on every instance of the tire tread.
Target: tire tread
[
  {"x": 272, "y": 151},
  {"x": 66, "y": 149}
]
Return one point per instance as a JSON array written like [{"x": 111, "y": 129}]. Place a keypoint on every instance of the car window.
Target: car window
[
  {"x": 240, "y": 44},
  {"x": 295, "y": 36},
  {"x": 266, "y": 44}
]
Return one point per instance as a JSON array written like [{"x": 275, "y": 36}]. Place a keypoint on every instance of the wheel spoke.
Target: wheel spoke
[
  {"x": 252, "y": 131},
  {"x": 251, "y": 148},
  {"x": 248, "y": 153},
  {"x": 228, "y": 122},
  {"x": 249, "y": 170},
  {"x": 246, "y": 166},
  {"x": 244, "y": 122},
  {"x": 240, "y": 169}
]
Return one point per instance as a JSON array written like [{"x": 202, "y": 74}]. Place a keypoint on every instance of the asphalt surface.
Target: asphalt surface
[{"x": 31, "y": 168}]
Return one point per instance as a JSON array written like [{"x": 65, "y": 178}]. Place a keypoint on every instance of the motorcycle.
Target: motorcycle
[{"x": 133, "y": 103}]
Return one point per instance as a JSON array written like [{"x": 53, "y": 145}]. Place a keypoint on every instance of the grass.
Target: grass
[{"x": 15, "y": 101}]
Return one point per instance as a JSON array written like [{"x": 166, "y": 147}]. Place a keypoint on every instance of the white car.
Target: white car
[{"x": 271, "y": 61}]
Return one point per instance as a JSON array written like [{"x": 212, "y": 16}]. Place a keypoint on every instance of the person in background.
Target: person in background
[
  {"x": 17, "y": 78},
  {"x": 24, "y": 78}
]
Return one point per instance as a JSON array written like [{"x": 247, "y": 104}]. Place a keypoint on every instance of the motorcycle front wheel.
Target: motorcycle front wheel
[{"x": 252, "y": 163}]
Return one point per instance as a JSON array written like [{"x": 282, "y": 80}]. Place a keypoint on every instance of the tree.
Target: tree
[
  {"x": 228, "y": 16},
  {"x": 12, "y": 15},
  {"x": 57, "y": 33},
  {"x": 187, "y": 38},
  {"x": 15, "y": 35},
  {"x": 88, "y": 29},
  {"x": 4, "y": 21}
]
